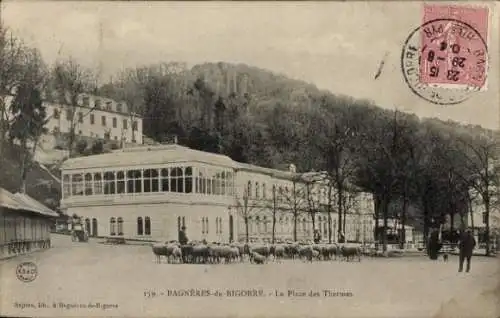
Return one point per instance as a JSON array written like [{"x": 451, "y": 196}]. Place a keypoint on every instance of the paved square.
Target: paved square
[{"x": 125, "y": 278}]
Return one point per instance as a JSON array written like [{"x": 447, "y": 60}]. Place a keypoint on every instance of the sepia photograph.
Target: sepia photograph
[{"x": 250, "y": 159}]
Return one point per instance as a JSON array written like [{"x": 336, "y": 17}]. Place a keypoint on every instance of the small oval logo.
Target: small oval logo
[{"x": 26, "y": 272}]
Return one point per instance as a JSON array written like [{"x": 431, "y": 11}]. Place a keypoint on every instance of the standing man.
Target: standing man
[
  {"x": 466, "y": 246},
  {"x": 183, "y": 239},
  {"x": 317, "y": 236}
]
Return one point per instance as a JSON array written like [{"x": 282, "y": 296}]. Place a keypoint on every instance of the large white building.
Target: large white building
[
  {"x": 95, "y": 117},
  {"x": 151, "y": 192}
]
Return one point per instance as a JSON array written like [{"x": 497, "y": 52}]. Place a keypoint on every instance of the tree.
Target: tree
[
  {"x": 12, "y": 61},
  {"x": 479, "y": 157},
  {"x": 70, "y": 80},
  {"x": 294, "y": 200},
  {"x": 314, "y": 186},
  {"x": 28, "y": 113},
  {"x": 246, "y": 208}
]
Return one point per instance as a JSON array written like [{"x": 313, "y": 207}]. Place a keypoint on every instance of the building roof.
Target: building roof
[
  {"x": 147, "y": 155},
  {"x": 22, "y": 201},
  {"x": 34, "y": 204}
]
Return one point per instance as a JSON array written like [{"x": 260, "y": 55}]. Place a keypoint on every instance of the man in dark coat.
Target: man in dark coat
[
  {"x": 183, "y": 239},
  {"x": 466, "y": 246}
]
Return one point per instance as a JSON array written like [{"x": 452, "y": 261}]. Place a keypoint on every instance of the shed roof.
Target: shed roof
[
  {"x": 147, "y": 155},
  {"x": 24, "y": 202},
  {"x": 34, "y": 204}
]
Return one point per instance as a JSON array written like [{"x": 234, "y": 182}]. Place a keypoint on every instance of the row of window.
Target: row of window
[
  {"x": 174, "y": 179},
  {"x": 114, "y": 120},
  {"x": 283, "y": 193},
  {"x": 98, "y": 105}
]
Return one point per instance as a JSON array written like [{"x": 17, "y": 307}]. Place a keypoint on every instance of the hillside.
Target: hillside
[{"x": 40, "y": 184}]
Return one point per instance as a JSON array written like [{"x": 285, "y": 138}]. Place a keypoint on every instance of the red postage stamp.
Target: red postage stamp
[{"x": 454, "y": 45}]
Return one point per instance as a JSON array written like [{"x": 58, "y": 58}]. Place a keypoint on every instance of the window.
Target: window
[
  {"x": 69, "y": 115},
  {"x": 134, "y": 125},
  {"x": 86, "y": 101},
  {"x": 220, "y": 225},
  {"x": 325, "y": 229},
  {"x": 249, "y": 190},
  {"x": 56, "y": 114},
  {"x": 147, "y": 225},
  {"x": 188, "y": 180},
  {"x": 304, "y": 225},
  {"x": 112, "y": 226},
  {"x": 107, "y": 135},
  {"x": 114, "y": 122},
  {"x": 257, "y": 189},
  {"x": 217, "y": 225},
  {"x": 120, "y": 182},
  {"x": 77, "y": 184},
  {"x": 203, "y": 226},
  {"x": 88, "y": 184},
  {"x": 98, "y": 103},
  {"x": 92, "y": 119},
  {"x": 264, "y": 221},
  {"x": 125, "y": 124},
  {"x": 164, "y": 180},
  {"x": 258, "y": 225},
  {"x": 139, "y": 226},
  {"x": 119, "y": 107},
  {"x": 485, "y": 219},
  {"x": 120, "y": 226},
  {"x": 109, "y": 183},
  {"x": 223, "y": 183},
  {"x": 134, "y": 181},
  {"x": 80, "y": 117},
  {"x": 151, "y": 180},
  {"x": 103, "y": 120},
  {"x": 176, "y": 180},
  {"x": 97, "y": 183},
  {"x": 108, "y": 106},
  {"x": 66, "y": 185}
]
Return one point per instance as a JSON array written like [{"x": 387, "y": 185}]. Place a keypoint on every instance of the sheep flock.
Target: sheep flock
[{"x": 256, "y": 253}]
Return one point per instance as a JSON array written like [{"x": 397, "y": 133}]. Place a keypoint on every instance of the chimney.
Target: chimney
[{"x": 292, "y": 168}]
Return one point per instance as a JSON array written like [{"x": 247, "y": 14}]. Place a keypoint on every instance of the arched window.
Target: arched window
[
  {"x": 109, "y": 182},
  {"x": 249, "y": 189},
  {"x": 77, "y": 184},
  {"x": 304, "y": 225},
  {"x": 147, "y": 225},
  {"x": 325, "y": 229},
  {"x": 120, "y": 182},
  {"x": 176, "y": 180},
  {"x": 66, "y": 185},
  {"x": 257, "y": 189},
  {"x": 120, "y": 226},
  {"x": 88, "y": 184},
  {"x": 97, "y": 183},
  {"x": 112, "y": 226},
  {"x": 164, "y": 180},
  {"x": 139, "y": 226},
  {"x": 188, "y": 180}
]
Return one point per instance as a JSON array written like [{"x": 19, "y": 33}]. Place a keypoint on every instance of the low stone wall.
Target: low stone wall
[{"x": 16, "y": 248}]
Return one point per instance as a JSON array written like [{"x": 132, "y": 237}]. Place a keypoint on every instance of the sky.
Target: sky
[{"x": 335, "y": 45}]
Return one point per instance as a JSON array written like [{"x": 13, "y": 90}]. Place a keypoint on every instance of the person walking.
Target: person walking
[{"x": 466, "y": 245}]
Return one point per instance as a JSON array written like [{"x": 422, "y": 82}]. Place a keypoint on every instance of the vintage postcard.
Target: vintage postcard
[{"x": 249, "y": 159}]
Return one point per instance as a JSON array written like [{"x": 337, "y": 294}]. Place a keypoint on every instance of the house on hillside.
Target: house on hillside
[{"x": 24, "y": 224}]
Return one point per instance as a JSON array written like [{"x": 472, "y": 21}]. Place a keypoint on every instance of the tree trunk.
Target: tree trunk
[
  {"x": 313, "y": 216},
  {"x": 24, "y": 159},
  {"x": 385, "y": 208},
  {"x": 340, "y": 198},
  {"x": 402, "y": 239},
  {"x": 487, "y": 224},
  {"x": 329, "y": 213},
  {"x": 246, "y": 229}
]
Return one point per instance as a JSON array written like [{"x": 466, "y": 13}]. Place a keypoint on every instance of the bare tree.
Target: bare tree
[
  {"x": 313, "y": 184},
  {"x": 294, "y": 200},
  {"x": 479, "y": 157},
  {"x": 246, "y": 208},
  {"x": 71, "y": 80}
]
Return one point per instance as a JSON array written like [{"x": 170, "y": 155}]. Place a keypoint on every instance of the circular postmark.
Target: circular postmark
[
  {"x": 26, "y": 272},
  {"x": 444, "y": 61}
]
